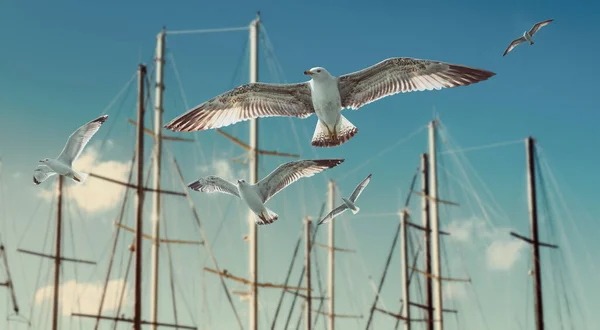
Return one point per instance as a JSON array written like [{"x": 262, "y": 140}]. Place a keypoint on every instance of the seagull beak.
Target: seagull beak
[
  {"x": 308, "y": 73},
  {"x": 41, "y": 160}
]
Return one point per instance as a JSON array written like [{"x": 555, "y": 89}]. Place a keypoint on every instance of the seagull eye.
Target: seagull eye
[{"x": 318, "y": 71}]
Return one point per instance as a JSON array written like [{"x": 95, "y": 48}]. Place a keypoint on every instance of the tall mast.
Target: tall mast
[
  {"x": 58, "y": 254},
  {"x": 331, "y": 274},
  {"x": 139, "y": 223},
  {"x": 404, "y": 253},
  {"x": 537, "y": 278},
  {"x": 253, "y": 161},
  {"x": 307, "y": 244},
  {"x": 427, "y": 243},
  {"x": 435, "y": 244},
  {"x": 157, "y": 166}
]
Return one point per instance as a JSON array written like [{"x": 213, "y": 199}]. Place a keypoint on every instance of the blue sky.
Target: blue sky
[{"x": 62, "y": 64}]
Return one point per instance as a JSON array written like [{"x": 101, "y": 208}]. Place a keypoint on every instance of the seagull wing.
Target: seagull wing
[
  {"x": 247, "y": 102},
  {"x": 538, "y": 26},
  {"x": 79, "y": 139},
  {"x": 514, "y": 44},
  {"x": 334, "y": 213},
  {"x": 212, "y": 184},
  {"x": 402, "y": 75},
  {"x": 287, "y": 173},
  {"x": 42, "y": 173},
  {"x": 360, "y": 188}
]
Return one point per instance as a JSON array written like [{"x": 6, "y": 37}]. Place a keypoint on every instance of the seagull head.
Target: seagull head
[
  {"x": 317, "y": 73},
  {"x": 241, "y": 182}
]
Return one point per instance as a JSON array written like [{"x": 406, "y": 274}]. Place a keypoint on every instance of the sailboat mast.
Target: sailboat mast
[
  {"x": 404, "y": 254},
  {"x": 537, "y": 278},
  {"x": 57, "y": 257},
  {"x": 331, "y": 273},
  {"x": 139, "y": 223},
  {"x": 253, "y": 161},
  {"x": 435, "y": 233},
  {"x": 157, "y": 166},
  {"x": 307, "y": 245},
  {"x": 427, "y": 243}
]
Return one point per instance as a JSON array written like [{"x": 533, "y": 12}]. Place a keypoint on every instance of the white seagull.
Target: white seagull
[
  {"x": 256, "y": 195},
  {"x": 62, "y": 164},
  {"x": 349, "y": 203},
  {"x": 527, "y": 36},
  {"x": 326, "y": 95}
]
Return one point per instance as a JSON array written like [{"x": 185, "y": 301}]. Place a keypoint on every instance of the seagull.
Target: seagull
[
  {"x": 527, "y": 35},
  {"x": 256, "y": 195},
  {"x": 326, "y": 96},
  {"x": 348, "y": 202},
  {"x": 62, "y": 164}
]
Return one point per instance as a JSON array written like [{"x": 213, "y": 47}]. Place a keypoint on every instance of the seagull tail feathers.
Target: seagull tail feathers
[
  {"x": 266, "y": 217},
  {"x": 79, "y": 177},
  {"x": 324, "y": 137}
]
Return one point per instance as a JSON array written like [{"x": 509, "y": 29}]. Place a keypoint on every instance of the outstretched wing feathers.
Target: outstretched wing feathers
[
  {"x": 41, "y": 174},
  {"x": 402, "y": 75},
  {"x": 334, "y": 213},
  {"x": 212, "y": 184},
  {"x": 246, "y": 102},
  {"x": 358, "y": 190},
  {"x": 288, "y": 173},
  {"x": 79, "y": 139}
]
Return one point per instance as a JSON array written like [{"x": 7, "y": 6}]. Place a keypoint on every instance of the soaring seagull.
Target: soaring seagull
[
  {"x": 527, "y": 35},
  {"x": 256, "y": 195},
  {"x": 62, "y": 164},
  {"x": 349, "y": 203},
  {"x": 326, "y": 95}
]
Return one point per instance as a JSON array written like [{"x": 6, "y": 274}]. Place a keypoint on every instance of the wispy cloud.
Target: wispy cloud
[
  {"x": 502, "y": 251},
  {"x": 85, "y": 298}
]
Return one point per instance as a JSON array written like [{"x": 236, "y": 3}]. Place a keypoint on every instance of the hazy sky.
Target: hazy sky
[{"x": 63, "y": 63}]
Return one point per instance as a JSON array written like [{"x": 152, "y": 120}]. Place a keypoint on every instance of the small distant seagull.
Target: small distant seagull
[
  {"x": 348, "y": 202},
  {"x": 326, "y": 95},
  {"x": 256, "y": 195},
  {"x": 62, "y": 164},
  {"x": 527, "y": 36}
]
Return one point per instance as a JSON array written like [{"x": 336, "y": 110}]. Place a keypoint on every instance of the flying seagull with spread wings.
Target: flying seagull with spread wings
[
  {"x": 527, "y": 35},
  {"x": 62, "y": 164},
  {"x": 349, "y": 203},
  {"x": 326, "y": 95},
  {"x": 256, "y": 195}
]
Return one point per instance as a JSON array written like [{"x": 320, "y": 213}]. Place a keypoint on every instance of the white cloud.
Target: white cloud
[
  {"x": 85, "y": 297},
  {"x": 224, "y": 169},
  {"x": 454, "y": 291},
  {"x": 502, "y": 251},
  {"x": 95, "y": 195},
  {"x": 502, "y": 254}
]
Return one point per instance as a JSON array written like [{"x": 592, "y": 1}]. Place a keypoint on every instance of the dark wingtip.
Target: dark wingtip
[
  {"x": 36, "y": 181},
  {"x": 100, "y": 119},
  {"x": 194, "y": 185},
  {"x": 369, "y": 176},
  {"x": 329, "y": 162}
]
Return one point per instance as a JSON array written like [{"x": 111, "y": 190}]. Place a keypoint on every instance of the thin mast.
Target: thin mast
[
  {"x": 331, "y": 274},
  {"x": 427, "y": 243},
  {"x": 437, "y": 266},
  {"x": 537, "y": 278},
  {"x": 307, "y": 243},
  {"x": 157, "y": 166},
  {"x": 253, "y": 161},
  {"x": 58, "y": 254},
  {"x": 404, "y": 253},
  {"x": 139, "y": 223}
]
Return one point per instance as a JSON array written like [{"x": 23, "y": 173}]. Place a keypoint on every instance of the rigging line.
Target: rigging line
[
  {"x": 567, "y": 247},
  {"x": 389, "y": 257},
  {"x": 287, "y": 278},
  {"x": 482, "y": 147},
  {"x": 321, "y": 290},
  {"x": 206, "y": 242},
  {"x": 170, "y": 258},
  {"x": 301, "y": 277},
  {"x": 75, "y": 270},
  {"x": 119, "y": 94},
  {"x": 114, "y": 248},
  {"x": 468, "y": 181},
  {"x": 122, "y": 295},
  {"x": 395, "y": 145},
  {"x": 214, "y": 30}
]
